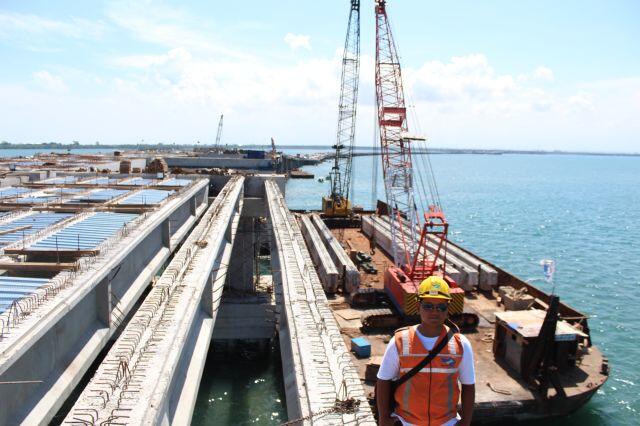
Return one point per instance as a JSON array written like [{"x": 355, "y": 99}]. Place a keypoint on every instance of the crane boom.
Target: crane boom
[
  {"x": 338, "y": 202},
  {"x": 395, "y": 146},
  {"x": 418, "y": 252},
  {"x": 219, "y": 134}
]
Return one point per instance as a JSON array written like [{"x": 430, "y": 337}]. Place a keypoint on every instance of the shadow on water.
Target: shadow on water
[{"x": 241, "y": 386}]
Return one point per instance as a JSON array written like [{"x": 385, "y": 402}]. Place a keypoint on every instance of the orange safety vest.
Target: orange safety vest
[{"x": 431, "y": 396}]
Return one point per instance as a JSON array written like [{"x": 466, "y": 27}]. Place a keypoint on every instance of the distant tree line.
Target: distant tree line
[{"x": 97, "y": 145}]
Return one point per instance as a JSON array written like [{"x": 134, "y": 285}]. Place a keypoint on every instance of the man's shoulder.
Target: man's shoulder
[
  {"x": 464, "y": 340},
  {"x": 401, "y": 329}
]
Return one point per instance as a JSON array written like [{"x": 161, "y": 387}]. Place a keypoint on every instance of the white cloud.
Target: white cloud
[
  {"x": 296, "y": 41},
  {"x": 581, "y": 101},
  {"x": 543, "y": 73},
  {"x": 49, "y": 82},
  {"x": 463, "y": 78},
  {"x": 234, "y": 83},
  {"x": 177, "y": 95},
  {"x": 168, "y": 27},
  {"x": 465, "y": 102},
  {"x": 37, "y": 32}
]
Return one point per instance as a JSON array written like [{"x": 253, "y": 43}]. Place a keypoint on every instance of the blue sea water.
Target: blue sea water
[{"x": 515, "y": 210}]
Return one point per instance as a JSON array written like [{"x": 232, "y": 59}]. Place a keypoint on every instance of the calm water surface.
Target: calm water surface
[{"x": 239, "y": 388}]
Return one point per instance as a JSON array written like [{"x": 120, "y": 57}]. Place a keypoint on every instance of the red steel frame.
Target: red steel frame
[{"x": 411, "y": 257}]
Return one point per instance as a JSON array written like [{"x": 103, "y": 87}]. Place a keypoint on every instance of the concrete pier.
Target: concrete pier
[
  {"x": 50, "y": 339},
  {"x": 317, "y": 366},
  {"x": 152, "y": 373}
]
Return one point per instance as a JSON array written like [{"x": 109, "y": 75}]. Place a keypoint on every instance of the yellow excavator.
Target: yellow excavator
[{"x": 337, "y": 204}]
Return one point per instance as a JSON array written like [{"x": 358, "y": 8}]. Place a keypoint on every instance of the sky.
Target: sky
[{"x": 477, "y": 74}]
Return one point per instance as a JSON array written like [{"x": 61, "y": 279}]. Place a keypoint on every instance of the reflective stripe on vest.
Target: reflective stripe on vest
[{"x": 431, "y": 396}]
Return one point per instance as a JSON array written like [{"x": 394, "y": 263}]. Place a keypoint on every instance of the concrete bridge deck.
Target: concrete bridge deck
[
  {"x": 49, "y": 339},
  {"x": 317, "y": 366},
  {"x": 152, "y": 373}
]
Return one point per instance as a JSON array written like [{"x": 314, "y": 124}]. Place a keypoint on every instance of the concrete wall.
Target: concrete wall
[
  {"x": 241, "y": 267},
  {"x": 245, "y": 319},
  {"x": 213, "y": 162},
  {"x": 253, "y": 184}
]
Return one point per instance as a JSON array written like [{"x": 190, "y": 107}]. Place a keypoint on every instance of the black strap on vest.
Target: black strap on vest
[{"x": 432, "y": 354}]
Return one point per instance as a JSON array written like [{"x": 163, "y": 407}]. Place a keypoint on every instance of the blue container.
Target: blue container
[{"x": 361, "y": 347}]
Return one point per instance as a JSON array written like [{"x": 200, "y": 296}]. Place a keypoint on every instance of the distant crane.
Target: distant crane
[
  {"x": 337, "y": 203},
  {"x": 274, "y": 153},
  {"x": 219, "y": 134}
]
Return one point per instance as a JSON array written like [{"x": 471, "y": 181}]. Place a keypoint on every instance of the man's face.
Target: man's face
[{"x": 433, "y": 311}]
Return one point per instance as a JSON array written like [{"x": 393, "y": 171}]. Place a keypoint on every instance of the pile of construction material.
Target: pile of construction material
[
  {"x": 515, "y": 300},
  {"x": 364, "y": 261},
  {"x": 468, "y": 271},
  {"x": 158, "y": 165}
]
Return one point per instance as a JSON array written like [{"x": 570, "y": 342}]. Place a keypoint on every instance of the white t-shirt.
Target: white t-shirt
[{"x": 390, "y": 366}]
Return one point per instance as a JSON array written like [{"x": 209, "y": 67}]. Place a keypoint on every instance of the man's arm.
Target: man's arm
[
  {"x": 389, "y": 369},
  {"x": 383, "y": 401},
  {"x": 467, "y": 399}
]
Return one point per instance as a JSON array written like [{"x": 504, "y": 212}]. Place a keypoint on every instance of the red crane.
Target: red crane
[{"x": 413, "y": 261}]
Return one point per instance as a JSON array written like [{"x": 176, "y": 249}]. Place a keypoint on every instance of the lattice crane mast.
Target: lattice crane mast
[
  {"x": 337, "y": 203},
  {"x": 219, "y": 134},
  {"x": 412, "y": 261}
]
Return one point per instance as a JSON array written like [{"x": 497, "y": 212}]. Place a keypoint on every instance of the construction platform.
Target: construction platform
[
  {"x": 501, "y": 393},
  {"x": 126, "y": 280},
  {"x": 77, "y": 255}
]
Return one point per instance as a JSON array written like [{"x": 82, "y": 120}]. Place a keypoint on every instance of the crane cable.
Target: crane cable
[
  {"x": 421, "y": 152},
  {"x": 425, "y": 160}
]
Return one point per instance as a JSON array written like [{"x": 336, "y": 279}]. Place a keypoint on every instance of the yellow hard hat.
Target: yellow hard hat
[{"x": 435, "y": 288}]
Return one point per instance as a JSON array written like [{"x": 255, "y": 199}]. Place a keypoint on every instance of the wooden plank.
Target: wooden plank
[
  {"x": 11, "y": 231},
  {"x": 528, "y": 323},
  {"x": 101, "y": 186},
  {"x": 62, "y": 208},
  {"x": 129, "y": 208},
  {"x": 52, "y": 253},
  {"x": 38, "y": 266}
]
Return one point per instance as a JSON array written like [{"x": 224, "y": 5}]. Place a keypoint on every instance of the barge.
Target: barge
[{"x": 507, "y": 339}]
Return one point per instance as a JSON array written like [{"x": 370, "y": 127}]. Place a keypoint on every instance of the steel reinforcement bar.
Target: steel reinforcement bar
[{"x": 147, "y": 376}]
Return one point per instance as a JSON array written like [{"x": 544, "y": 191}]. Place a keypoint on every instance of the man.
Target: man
[{"x": 431, "y": 396}]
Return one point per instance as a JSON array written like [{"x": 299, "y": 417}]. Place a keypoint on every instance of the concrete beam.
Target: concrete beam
[
  {"x": 325, "y": 267},
  {"x": 349, "y": 274},
  {"x": 382, "y": 236},
  {"x": 317, "y": 366},
  {"x": 475, "y": 272},
  {"x": 152, "y": 373}
]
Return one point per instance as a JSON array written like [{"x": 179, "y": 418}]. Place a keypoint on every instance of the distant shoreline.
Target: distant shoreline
[{"x": 358, "y": 149}]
